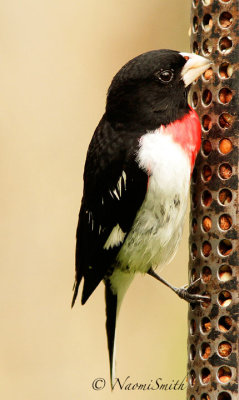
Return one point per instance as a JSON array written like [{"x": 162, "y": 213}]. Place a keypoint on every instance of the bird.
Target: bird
[{"x": 136, "y": 179}]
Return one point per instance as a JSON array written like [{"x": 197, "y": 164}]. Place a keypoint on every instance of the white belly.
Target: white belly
[{"x": 157, "y": 228}]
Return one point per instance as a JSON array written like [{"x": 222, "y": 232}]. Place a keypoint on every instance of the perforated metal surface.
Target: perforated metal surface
[{"x": 213, "y": 327}]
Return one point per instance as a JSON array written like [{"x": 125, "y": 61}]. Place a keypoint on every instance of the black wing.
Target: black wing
[{"x": 114, "y": 189}]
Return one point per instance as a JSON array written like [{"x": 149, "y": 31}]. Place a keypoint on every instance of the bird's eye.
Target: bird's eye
[{"x": 165, "y": 75}]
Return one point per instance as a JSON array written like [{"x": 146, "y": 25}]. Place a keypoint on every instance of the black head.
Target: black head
[{"x": 148, "y": 91}]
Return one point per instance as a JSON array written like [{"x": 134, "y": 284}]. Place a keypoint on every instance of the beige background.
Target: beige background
[{"x": 57, "y": 60}]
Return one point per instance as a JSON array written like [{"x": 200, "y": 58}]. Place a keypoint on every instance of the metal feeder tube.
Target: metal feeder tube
[{"x": 213, "y": 339}]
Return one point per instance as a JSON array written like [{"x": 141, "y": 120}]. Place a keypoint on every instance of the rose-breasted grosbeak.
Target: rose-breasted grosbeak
[{"x": 136, "y": 178}]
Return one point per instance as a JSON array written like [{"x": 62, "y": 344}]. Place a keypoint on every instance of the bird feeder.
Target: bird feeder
[{"x": 213, "y": 339}]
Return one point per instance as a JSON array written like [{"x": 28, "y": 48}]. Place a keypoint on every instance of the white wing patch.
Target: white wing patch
[
  {"x": 118, "y": 191},
  {"x": 115, "y": 238},
  {"x": 121, "y": 180},
  {"x": 114, "y": 193}
]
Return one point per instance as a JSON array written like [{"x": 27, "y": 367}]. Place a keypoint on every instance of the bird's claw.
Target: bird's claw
[
  {"x": 192, "y": 297},
  {"x": 184, "y": 293}
]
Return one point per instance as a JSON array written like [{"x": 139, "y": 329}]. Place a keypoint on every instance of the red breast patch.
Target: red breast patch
[{"x": 187, "y": 133}]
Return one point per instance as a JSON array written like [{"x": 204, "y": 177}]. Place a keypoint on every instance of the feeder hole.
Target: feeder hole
[
  {"x": 205, "y": 376},
  {"x": 225, "y": 298},
  {"x": 206, "y": 274},
  {"x": 224, "y": 349},
  {"x": 225, "y": 222},
  {"x": 225, "y": 19},
  {"x": 205, "y": 396},
  {"x": 224, "y": 374},
  {"x": 225, "y": 70},
  {"x": 206, "y": 248},
  {"x": 194, "y": 225},
  {"x": 225, "y": 146},
  {"x": 225, "y": 120},
  {"x": 192, "y": 326},
  {"x": 205, "y": 350},
  {"x": 207, "y": 22},
  {"x": 195, "y": 48},
  {"x": 194, "y": 99},
  {"x": 207, "y": 147},
  {"x": 206, "y": 303},
  {"x": 225, "y": 45},
  {"x": 225, "y": 273},
  {"x": 192, "y": 352},
  {"x": 225, "y": 171},
  {"x": 224, "y": 396},
  {"x": 194, "y": 251},
  {"x": 206, "y": 173},
  {"x": 225, "y": 323},
  {"x": 206, "y": 325},
  {"x": 225, "y": 95},
  {"x": 206, "y": 122},
  {"x": 195, "y": 24},
  {"x": 192, "y": 377},
  {"x": 206, "y": 224},
  {"x": 206, "y": 198},
  {"x": 193, "y": 275},
  {"x": 225, "y": 247},
  {"x": 207, "y": 97},
  {"x": 225, "y": 196},
  {"x": 208, "y": 74}
]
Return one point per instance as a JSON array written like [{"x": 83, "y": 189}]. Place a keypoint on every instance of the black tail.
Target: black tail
[{"x": 111, "y": 313}]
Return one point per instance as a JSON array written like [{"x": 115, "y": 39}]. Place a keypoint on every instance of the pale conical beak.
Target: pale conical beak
[{"x": 194, "y": 67}]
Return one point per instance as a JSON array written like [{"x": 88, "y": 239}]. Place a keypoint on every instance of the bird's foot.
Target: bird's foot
[{"x": 185, "y": 293}]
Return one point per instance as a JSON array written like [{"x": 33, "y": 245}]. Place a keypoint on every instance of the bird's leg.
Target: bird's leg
[{"x": 182, "y": 292}]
